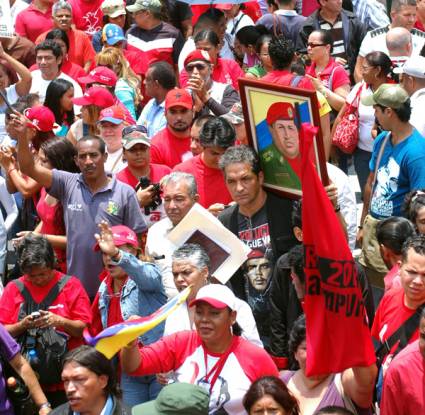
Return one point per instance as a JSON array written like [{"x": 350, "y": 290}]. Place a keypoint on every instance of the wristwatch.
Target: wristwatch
[{"x": 45, "y": 405}]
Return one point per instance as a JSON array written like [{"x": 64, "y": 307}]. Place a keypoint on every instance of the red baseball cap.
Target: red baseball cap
[
  {"x": 122, "y": 235},
  {"x": 224, "y": 6},
  {"x": 178, "y": 98},
  {"x": 100, "y": 75},
  {"x": 96, "y": 95},
  {"x": 41, "y": 118},
  {"x": 197, "y": 55},
  {"x": 280, "y": 111},
  {"x": 114, "y": 114}
]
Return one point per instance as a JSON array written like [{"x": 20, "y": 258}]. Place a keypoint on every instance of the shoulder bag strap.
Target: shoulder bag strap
[
  {"x": 403, "y": 333},
  {"x": 378, "y": 159},
  {"x": 296, "y": 80},
  {"x": 331, "y": 78},
  {"x": 54, "y": 292}
]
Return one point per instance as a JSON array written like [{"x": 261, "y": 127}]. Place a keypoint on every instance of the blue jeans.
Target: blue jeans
[
  {"x": 139, "y": 389},
  {"x": 361, "y": 166}
]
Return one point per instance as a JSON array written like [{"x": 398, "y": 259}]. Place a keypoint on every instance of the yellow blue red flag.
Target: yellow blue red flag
[{"x": 114, "y": 338}]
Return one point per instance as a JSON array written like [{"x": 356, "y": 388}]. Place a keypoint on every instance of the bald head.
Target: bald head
[{"x": 399, "y": 42}]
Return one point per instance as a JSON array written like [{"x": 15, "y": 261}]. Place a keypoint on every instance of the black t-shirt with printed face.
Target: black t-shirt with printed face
[{"x": 257, "y": 270}]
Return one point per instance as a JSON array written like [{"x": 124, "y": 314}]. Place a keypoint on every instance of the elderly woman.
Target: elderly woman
[
  {"x": 352, "y": 389},
  {"x": 68, "y": 312},
  {"x": 214, "y": 356},
  {"x": 191, "y": 266}
]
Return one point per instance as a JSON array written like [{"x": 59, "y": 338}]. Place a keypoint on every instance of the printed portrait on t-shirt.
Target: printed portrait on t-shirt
[{"x": 258, "y": 270}]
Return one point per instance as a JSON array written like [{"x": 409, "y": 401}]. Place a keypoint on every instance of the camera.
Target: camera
[{"x": 145, "y": 182}]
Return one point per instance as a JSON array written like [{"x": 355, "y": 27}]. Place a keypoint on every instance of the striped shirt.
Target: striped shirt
[{"x": 338, "y": 50}]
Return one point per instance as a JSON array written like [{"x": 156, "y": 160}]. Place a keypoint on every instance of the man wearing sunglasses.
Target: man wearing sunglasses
[{"x": 209, "y": 96}]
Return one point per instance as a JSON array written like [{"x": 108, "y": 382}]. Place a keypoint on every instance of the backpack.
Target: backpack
[{"x": 43, "y": 348}]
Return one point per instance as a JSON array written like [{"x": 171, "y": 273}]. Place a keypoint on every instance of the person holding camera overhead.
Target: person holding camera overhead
[{"x": 141, "y": 174}]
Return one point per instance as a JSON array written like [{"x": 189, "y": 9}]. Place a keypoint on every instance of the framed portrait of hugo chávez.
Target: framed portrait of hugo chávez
[{"x": 273, "y": 117}]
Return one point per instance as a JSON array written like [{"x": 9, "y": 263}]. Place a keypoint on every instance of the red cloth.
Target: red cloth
[
  {"x": 114, "y": 310},
  {"x": 210, "y": 182},
  {"x": 31, "y": 22},
  {"x": 72, "y": 302},
  {"x": 339, "y": 77},
  {"x": 285, "y": 78},
  {"x": 419, "y": 26},
  {"x": 252, "y": 9},
  {"x": 156, "y": 173},
  {"x": 392, "y": 278},
  {"x": 136, "y": 62},
  {"x": 87, "y": 15},
  {"x": 80, "y": 47},
  {"x": 404, "y": 387},
  {"x": 225, "y": 71},
  {"x": 309, "y": 6},
  {"x": 168, "y": 149},
  {"x": 337, "y": 332},
  {"x": 390, "y": 315},
  {"x": 47, "y": 215}
]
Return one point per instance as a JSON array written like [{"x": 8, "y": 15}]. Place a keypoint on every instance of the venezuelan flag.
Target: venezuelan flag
[{"x": 114, "y": 338}]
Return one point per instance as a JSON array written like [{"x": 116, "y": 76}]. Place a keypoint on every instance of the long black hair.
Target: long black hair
[{"x": 54, "y": 93}]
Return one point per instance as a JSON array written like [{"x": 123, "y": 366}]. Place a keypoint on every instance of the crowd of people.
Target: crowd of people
[{"x": 117, "y": 118}]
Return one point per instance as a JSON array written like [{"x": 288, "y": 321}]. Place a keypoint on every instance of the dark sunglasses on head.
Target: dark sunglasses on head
[
  {"x": 198, "y": 66},
  {"x": 132, "y": 128}
]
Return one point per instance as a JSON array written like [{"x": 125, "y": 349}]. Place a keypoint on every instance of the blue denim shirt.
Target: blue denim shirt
[{"x": 141, "y": 295}]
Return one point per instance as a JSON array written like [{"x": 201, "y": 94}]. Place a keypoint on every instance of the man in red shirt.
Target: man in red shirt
[
  {"x": 80, "y": 50},
  {"x": 171, "y": 145},
  {"x": 215, "y": 137},
  {"x": 399, "y": 304},
  {"x": 35, "y": 19},
  {"x": 136, "y": 150},
  {"x": 87, "y": 15}
]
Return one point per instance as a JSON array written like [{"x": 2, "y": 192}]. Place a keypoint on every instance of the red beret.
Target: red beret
[
  {"x": 280, "y": 111},
  {"x": 255, "y": 253},
  {"x": 197, "y": 55}
]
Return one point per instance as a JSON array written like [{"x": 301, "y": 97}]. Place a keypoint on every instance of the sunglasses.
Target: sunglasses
[
  {"x": 315, "y": 45},
  {"x": 198, "y": 66},
  {"x": 132, "y": 128}
]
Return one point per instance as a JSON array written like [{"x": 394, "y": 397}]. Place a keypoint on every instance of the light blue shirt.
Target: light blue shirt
[
  {"x": 153, "y": 117},
  {"x": 371, "y": 13}
]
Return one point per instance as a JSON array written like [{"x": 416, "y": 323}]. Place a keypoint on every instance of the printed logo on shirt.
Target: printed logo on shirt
[
  {"x": 75, "y": 207},
  {"x": 258, "y": 237},
  {"x": 112, "y": 208}
]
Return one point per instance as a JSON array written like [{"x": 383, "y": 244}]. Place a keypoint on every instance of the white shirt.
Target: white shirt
[
  {"x": 160, "y": 249},
  {"x": 17, "y": 7},
  {"x": 417, "y": 118},
  {"x": 179, "y": 320},
  {"x": 12, "y": 96},
  {"x": 189, "y": 46},
  {"x": 237, "y": 23},
  {"x": 346, "y": 200},
  {"x": 366, "y": 116},
  {"x": 39, "y": 86},
  {"x": 114, "y": 163},
  {"x": 375, "y": 40}
]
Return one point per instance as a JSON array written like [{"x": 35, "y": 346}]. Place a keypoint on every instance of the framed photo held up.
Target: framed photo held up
[{"x": 273, "y": 116}]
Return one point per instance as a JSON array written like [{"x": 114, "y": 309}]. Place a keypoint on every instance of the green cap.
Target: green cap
[
  {"x": 387, "y": 95},
  {"x": 177, "y": 398},
  {"x": 150, "y": 5}
]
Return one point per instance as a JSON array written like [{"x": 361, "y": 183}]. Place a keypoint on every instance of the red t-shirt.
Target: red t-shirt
[
  {"x": 225, "y": 71},
  {"x": 136, "y": 60},
  {"x": 87, "y": 15},
  {"x": 403, "y": 391},
  {"x": 156, "y": 173},
  {"x": 339, "y": 76},
  {"x": 390, "y": 315},
  {"x": 210, "y": 182},
  {"x": 72, "y": 302},
  {"x": 31, "y": 22},
  {"x": 285, "y": 78},
  {"x": 80, "y": 47},
  {"x": 114, "y": 308},
  {"x": 168, "y": 149}
]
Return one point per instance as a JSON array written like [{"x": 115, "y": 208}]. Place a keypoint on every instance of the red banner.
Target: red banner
[{"x": 338, "y": 335}]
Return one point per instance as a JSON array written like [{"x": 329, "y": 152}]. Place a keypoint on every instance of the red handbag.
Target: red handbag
[{"x": 346, "y": 134}]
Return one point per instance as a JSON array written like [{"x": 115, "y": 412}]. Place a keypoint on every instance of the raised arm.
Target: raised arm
[{"x": 26, "y": 160}]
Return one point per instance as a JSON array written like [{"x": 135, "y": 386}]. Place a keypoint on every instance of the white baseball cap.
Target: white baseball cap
[
  {"x": 414, "y": 66},
  {"x": 216, "y": 295}
]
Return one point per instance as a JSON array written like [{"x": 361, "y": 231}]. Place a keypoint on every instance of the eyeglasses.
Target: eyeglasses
[
  {"x": 198, "y": 66},
  {"x": 315, "y": 45},
  {"x": 132, "y": 128}
]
